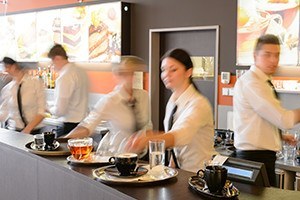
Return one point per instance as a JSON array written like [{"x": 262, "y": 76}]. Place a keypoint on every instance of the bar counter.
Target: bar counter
[{"x": 31, "y": 177}]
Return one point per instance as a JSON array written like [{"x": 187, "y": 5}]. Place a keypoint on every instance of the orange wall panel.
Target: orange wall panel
[
  {"x": 225, "y": 100},
  {"x": 101, "y": 82}
]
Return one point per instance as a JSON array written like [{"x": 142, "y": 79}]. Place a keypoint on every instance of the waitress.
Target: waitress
[
  {"x": 191, "y": 132},
  {"x": 23, "y": 101},
  {"x": 125, "y": 109}
]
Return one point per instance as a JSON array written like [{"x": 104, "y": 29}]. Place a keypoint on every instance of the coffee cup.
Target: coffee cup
[
  {"x": 215, "y": 177},
  {"x": 125, "y": 163},
  {"x": 80, "y": 148},
  {"x": 49, "y": 139}
]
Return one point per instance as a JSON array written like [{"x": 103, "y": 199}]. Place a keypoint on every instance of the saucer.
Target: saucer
[
  {"x": 52, "y": 148},
  {"x": 92, "y": 159},
  {"x": 199, "y": 185},
  {"x": 148, "y": 179},
  {"x": 113, "y": 171}
]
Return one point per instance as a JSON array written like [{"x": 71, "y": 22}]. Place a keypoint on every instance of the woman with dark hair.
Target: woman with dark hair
[{"x": 188, "y": 122}]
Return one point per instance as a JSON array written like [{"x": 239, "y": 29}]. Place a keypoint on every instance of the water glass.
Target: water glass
[
  {"x": 288, "y": 152},
  {"x": 156, "y": 153}
]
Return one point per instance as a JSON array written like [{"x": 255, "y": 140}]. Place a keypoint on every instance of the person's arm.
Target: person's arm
[
  {"x": 4, "y": 105},
  {"x": 36, "y": 121},
  {"x": 88, "y": 125},
  {"x": 78, "y": 132},
  {"x": 138, "y": 142}
]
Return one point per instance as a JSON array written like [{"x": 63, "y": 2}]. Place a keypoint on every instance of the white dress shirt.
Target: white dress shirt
[
  {"x": 33, "y": 102},
  {"x": 258, "y": 113},
  {"x": 122, "y": 119},
  {"x": 71, "y": 94},
  {"x": 193, "y": 129}
]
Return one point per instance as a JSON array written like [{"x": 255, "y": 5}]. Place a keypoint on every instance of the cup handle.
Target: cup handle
[
  {"x": 112, "y": 160},
  {"x": 200, "y": 173}
]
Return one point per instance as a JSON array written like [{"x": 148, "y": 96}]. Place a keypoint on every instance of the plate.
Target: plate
[
  {"x": 91, "y": 160},
  {"x": 149, "y": 178},
  {"x": 53, "y": 148},
  {"x": 199, "y": 185},
  {"x": 62, "y": 150},
  {"x": 113, "y": 171}
]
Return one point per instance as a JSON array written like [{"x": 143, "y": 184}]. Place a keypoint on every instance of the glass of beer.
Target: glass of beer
[{"x": 80, "y": 148}]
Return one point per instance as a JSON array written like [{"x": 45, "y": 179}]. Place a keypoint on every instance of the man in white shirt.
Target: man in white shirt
[
  {"x": 257, "y": 111},
  {"x": 71, "y": 91},
  {"x": 22, "y": 100}
]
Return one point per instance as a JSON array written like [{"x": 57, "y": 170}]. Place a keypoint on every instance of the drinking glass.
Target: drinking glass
[
  {"x": 80, "y": 148},
  {"x": 156, "y": 153}
]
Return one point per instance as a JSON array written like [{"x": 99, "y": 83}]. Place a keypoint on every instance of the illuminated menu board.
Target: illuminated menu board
[
  {"x": 88, "y": 33},
  {"x": 278, "y": 17}
]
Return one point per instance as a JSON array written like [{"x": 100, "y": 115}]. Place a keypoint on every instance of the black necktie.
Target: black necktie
[
  {"x": 131, "y": 103},
  {"x": 273, "y": 88},
  {"x": 19, "y": 98},
  {"x": 171, "y": 151}
]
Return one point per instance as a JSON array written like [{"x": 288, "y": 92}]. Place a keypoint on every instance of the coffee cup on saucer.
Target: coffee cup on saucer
[
  {"x": 215, "y": 177},
  {"x": 125, "y": 163},
  {"x": 49, "y": 140}
]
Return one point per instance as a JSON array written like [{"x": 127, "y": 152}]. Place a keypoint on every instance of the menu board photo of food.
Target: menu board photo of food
[
  {"x": 48, "y": 26},
  {"x": 74, "y": 32},
  {"x": 259, "y": 17},
  {"x": 104, "y": 37},
  {"x": 8, "y": 43},
  {"x": 25, "y": 27}
]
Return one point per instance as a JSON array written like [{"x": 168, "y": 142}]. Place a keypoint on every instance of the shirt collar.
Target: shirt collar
[
  {"x": 64, "y": 68},
  {"x": 185, "y": 96},
  {"x": 261, "y": 75},
  {"x": 122, "y": 92}
]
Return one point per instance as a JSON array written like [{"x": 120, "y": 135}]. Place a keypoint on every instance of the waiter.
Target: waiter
[
  {"x": 258, "y": 114},
  {"x": 71, "y": 91},
  {"x": 23, "y": 101}
]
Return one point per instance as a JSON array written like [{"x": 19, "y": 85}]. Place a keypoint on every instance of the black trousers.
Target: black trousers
[
  {"x": 66, "y": 128},
  {"x": 263, "y": 156}
]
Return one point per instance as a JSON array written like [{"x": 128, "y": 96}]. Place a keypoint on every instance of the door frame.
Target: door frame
[{"x": 154, "y": 60}]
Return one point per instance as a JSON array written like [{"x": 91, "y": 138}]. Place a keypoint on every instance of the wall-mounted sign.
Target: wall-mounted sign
[
  {"x": 203, "y": 67},
  {"x": 88, "y": 33},
  {"x": 258, "y": 17}
]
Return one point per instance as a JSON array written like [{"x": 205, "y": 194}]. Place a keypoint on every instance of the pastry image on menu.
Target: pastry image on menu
[
  {"x": 98, "y": 36},
  {"x": 73, "y": 32},
  {"x": 105, "y": 32}
]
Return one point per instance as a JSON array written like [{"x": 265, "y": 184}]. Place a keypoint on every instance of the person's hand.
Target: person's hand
[
  {"x": 26, "y": 130},
  {"x": 289, "y": 138},
  {"x": 137, "y": 142}
]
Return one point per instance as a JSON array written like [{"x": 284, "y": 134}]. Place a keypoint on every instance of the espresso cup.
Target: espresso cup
[
  {"x": 215, "y": 177},
  {"x": 49, "y": 139},
  {"x": 125, "y": 163}
]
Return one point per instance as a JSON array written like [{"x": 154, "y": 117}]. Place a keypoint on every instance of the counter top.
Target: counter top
[{"x": 53, "y": 178}]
